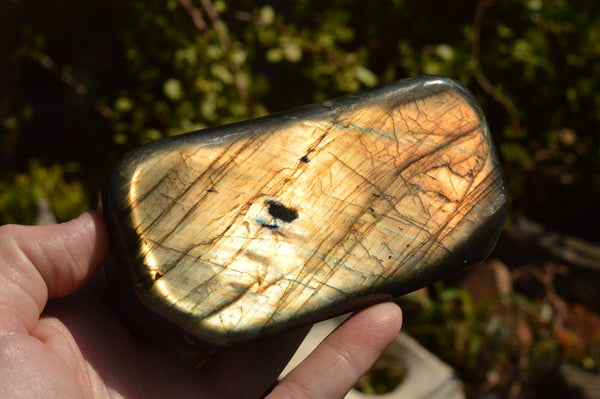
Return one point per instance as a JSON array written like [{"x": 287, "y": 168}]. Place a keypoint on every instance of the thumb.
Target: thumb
[{"x": 39, "y": 263}]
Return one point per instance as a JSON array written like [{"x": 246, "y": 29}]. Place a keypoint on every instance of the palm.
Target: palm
[
  {"x": 112, "y": 361},
  {"x": 77, "y": 347}
]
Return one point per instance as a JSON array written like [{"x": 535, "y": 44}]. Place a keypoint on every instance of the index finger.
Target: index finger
[{"x": 344, "y": 356}]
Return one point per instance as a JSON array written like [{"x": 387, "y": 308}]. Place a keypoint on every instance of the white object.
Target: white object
[{"x": 427, "y": 377}]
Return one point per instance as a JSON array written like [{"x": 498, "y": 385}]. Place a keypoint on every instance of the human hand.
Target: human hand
[{"x": 59, "y": 339}]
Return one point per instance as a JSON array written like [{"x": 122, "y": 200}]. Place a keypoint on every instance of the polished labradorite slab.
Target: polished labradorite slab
[{"x": 250, "y": 229}]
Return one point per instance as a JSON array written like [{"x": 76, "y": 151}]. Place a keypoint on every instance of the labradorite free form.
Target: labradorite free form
[{"x": 229, "y": 234}]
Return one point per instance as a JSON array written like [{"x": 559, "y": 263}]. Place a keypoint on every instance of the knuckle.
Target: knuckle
[{"x": 343, "y": 354}]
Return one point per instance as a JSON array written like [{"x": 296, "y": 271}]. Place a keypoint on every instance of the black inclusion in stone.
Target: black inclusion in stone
[{"x": 281, "y": 212}]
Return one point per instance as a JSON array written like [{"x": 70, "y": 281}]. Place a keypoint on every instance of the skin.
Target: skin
[{"x": 59, "y": 339}]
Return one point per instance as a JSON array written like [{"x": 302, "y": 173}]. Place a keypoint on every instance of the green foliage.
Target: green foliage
[
  {"x": 164, "y": 68},
  {"x": 489, "y": 343},
  {"x": 381, "y": 379},
  {"x": 459, "y": 338},
  {"x": 20, "y": 195}
]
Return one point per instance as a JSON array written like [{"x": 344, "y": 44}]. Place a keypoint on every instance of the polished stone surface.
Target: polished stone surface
[{"x": 250, "y": 229}]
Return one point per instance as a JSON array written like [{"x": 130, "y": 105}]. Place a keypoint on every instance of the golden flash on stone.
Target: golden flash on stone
[{"x": 234, "y": 233}]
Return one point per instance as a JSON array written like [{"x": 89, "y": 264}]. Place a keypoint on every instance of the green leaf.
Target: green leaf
[
  {"x": 274, "y": 55},
  {"x": 267, "y": 15},
  {"x": 445, "y": 52},
  {"x": 365, "y": 76},
  {"x": 123, "y": 104},
  {"x": 172, "y": 89},
  {"x": 292, "y": 50},
  {"x": 221, "y": 72}
]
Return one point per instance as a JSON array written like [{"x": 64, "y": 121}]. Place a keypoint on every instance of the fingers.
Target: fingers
[
  {"x": 44, "y": 262},
  {"x": 343, "y": 357}
]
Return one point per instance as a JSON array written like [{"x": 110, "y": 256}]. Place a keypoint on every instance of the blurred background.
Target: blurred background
[{"x": 82, "y": 82}]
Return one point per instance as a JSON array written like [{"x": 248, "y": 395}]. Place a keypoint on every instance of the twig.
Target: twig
[
  {"x": 546, "y": 277},
  {"x": 221, "y": 33},
  {"x": 308, "y": 46},
  {"x": 196, "y": 15},
  {"x": 68, "y": 79},
  {"x": 478, "y": 74}
]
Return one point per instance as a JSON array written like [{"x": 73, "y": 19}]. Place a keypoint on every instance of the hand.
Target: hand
[{"x": 58, "y": 339}]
